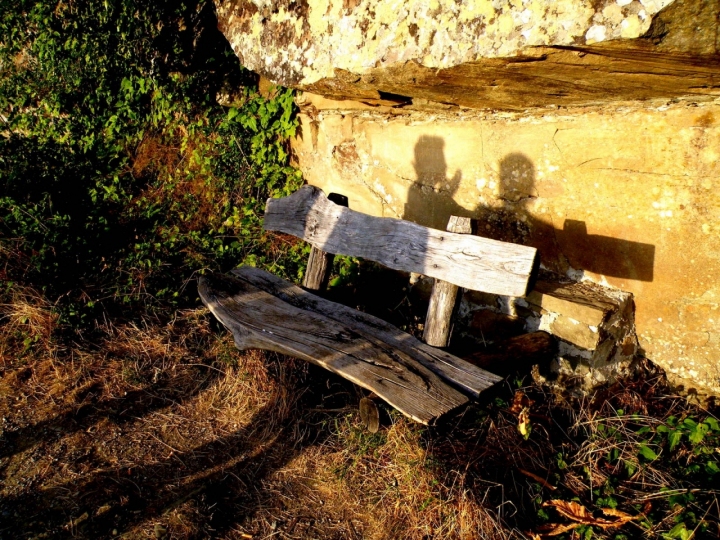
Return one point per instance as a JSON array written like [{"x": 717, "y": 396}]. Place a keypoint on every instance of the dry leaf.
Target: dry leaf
[
  {"x": 521, "y": 407},
  {"x": 572, "y": 510},
  {"x": 537, "y": 478},
  {"x": 520, "y": 402},
  {"x": 622, "y": 516},
  {"x": 647, "y": 508},
  {"x": 577, "y": 512},
  {"x": 524, "y": 426},
  {"x": 554, "y": 529}
]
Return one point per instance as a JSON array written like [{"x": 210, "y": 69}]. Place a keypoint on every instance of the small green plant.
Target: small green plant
[
  {"x": 693, "y": 430},
  {"x": 345, "y": 271}
]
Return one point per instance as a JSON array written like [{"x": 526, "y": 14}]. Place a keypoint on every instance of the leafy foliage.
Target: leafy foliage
[
  {"x": 675, "y": 456},
  {"x": 120, "y": 175}
]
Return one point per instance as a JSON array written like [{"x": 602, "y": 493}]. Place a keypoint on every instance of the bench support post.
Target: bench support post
[
  {"x": 320, "y": 262},
  {"x": 444, "y": 297},
  {"x": 318, "y": 270}
]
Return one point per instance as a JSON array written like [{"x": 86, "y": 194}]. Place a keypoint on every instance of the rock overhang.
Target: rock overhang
[
  {"x": 499, "y": 54},
  {"x": 302, "y": 42}
]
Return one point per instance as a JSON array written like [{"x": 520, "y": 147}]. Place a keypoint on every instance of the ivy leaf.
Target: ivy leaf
[
  {"x": 697, "y": 434},
  {"x": 674, "y": 438},
  {"x": 678, "y": 531},
  {"x": 712, "y": 423},
  {"x": 647, "y": 452},
  {"x": 711, "y": 467}
]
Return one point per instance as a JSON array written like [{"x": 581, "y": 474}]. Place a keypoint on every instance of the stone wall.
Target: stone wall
[
  {"x": 500, "y": 54},
  {"x": 627, "y": 197}
]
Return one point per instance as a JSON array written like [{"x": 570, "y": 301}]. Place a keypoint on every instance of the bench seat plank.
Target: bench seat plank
[
  {"x": 468, "y": 261},
  {"x": 266, "y": 312}
]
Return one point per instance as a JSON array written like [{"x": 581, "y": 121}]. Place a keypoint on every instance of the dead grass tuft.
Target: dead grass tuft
[
  {"x": 27, "y": 321},
  {"x": 398, "y": 480}
]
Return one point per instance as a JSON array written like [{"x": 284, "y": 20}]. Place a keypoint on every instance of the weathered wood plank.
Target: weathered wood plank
[
  {"x": 443, "y": 298},
  {"x": 266, "y": 312},
  {"x": 467, "y": 261},
  {"x": 259, "y": 319},
  {"x": 457, "y": 371}
]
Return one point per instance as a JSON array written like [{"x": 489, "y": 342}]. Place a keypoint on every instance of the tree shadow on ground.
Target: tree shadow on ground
[
  {"x": 223, "y": 479},
  {"x": 134, "y": 404}
]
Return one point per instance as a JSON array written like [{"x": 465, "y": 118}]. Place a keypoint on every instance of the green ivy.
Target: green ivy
[{"x": 121, "y": 178}]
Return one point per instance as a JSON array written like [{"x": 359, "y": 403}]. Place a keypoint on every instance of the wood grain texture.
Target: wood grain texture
[
  {"x": 467, "y": 261},
  {"x": 263, "y": 311},
  {"x": 318, "y": 270},
  {"x": 443, "y": 299},
  {"x": 320, "y": 263}
]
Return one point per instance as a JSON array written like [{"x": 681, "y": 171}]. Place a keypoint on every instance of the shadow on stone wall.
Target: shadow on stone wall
[
  {"x": 430, "y": 199},
  {"x": 430, "y": 202},
  {"x": 606, "y": 255}
]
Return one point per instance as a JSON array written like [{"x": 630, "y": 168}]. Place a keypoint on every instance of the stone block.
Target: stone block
[
  {"x": 596, "y": 322},
  {"x": 574, "y": 331},
  {"x": 578, "y": 301}
]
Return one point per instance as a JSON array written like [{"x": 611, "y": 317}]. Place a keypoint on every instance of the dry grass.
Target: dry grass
[
  {"x": 397, "y": 479},
  {"x": 162, "y": 428},
  {"x": 27, "y": 320},
  {"x": 171, "y": 410}
]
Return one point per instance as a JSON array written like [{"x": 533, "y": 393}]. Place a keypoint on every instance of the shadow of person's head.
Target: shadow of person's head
[
  {"x": 430, "y": 198},
  {"x": 430, "y": 165},
  {"x": 517, "y": 178}
]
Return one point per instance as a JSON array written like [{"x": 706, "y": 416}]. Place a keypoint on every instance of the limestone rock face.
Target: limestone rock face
[
  {"x": 303, "y": 42},
  {"x": 626, "y": 197},
  {"x": 500, "y": 54}
]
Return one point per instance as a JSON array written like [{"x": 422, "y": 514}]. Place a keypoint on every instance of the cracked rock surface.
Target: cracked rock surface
[{"x": 491, "y": 54}]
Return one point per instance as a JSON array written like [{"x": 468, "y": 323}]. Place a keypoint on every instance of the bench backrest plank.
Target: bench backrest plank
[
  {"x": 468, "y": 261},
  {"x": 266, "y": 312}
]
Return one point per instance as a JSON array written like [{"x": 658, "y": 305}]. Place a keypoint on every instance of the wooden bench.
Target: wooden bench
[{"x": 421, "y": 381}]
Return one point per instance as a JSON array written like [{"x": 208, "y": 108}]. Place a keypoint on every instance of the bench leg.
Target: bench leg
[
  {"x": 440, "y": 312},
  {"x": 320, "y": 262},
  {"x": 318, "y": 270},
  {"x": 444, "y": 297}
]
